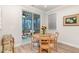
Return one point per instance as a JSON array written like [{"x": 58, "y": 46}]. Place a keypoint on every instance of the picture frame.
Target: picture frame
[{"x": 71, "y": 20}]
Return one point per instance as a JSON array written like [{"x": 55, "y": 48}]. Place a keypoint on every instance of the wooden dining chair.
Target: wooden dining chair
[
  {"x": 44, "y": 44},
  {"x": 35, "y": 43},
  {"x": 54, "y": 38},
  {"x": 7, "y": 44}
]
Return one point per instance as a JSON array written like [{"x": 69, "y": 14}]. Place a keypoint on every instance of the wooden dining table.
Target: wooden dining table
[
  {"x": 38, "y": 35},
  {"x": 52, "y": 41}
]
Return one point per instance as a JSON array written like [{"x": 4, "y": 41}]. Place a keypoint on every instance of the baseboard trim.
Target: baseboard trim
[
  {"x": 72, "y": 45},
  {"x": 17, "y": 45}
]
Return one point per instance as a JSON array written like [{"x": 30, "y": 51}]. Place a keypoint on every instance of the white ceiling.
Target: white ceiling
[{"x": 45, "y": 7}]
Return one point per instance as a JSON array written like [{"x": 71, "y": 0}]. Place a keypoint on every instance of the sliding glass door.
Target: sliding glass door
[
  {"x": 30, "y": 25},
  {"x": 26, "y": 26},
  {"x": 36, "y": 23}
]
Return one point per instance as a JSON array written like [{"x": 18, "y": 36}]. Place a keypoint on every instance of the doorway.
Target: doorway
[{"x": 30, "y": 25}]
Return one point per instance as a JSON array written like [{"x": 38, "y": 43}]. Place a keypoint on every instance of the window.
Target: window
[{"x": 52, "y": 22}]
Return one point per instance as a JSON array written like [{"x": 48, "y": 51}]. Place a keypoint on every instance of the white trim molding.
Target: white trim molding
[
  {"x": 0, "y": 18},
  {"x": 76, "y": 46}
]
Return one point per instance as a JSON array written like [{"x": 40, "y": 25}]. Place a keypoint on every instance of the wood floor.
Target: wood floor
[{"x": 62, "y": 48}]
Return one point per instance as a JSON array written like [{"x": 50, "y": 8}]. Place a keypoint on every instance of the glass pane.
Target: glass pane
[
  {"x": 36, "y": 23},
  {"x": 26, "y": 26}
]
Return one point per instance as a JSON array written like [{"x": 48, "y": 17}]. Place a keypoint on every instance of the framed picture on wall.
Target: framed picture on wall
[{"x": 71, "y": 20}]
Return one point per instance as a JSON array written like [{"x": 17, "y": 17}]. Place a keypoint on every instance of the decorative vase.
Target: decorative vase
[
  {"x": 44, "y": 32},
  {"x": 43, "y": 29}
]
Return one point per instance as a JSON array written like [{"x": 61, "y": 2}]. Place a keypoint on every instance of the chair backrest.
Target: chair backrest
[
  {"x": 54, "y": 35},
  {"x": 44, "y": 40},
  {"x": 7, "y": 43}
]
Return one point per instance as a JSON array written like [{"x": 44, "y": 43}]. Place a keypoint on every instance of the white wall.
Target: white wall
[
  {"x": 0, "y": 18},
  {"x": 67, "y": 34},
  {"x": 12, "y": 21}
]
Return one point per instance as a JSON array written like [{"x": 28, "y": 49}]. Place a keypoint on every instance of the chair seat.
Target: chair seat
[
  {"x": 44, "y": 46},
  {"x": 35, "y": 44}
]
